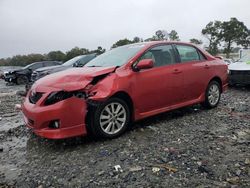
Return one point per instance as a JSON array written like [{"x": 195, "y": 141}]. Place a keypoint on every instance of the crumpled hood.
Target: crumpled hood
[
  {"x": 72, "y": 79},
  {"x": 239, "y": 66}
]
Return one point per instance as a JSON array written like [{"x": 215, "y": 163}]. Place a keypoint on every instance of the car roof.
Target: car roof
[{"x": 152, "y": 43}]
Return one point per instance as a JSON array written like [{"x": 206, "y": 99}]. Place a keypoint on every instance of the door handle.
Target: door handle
[
  {"x": 177, "y": 71},
  {"x": 207, "y": 66}
]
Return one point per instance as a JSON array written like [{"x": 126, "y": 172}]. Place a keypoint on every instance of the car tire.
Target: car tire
[
  {"x": 212, "y": 95},
  {"x": 22, "y": 80},
  {"x": 109, "y": 119}
]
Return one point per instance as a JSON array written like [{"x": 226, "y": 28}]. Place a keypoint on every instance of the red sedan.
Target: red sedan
[{"x": 123, "y": 85}]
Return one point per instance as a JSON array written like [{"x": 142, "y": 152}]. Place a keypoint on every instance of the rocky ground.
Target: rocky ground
[{"x": 190, "y": 147}]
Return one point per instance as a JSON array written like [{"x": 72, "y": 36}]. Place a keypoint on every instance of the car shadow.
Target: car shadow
[
  {"x": 241, "y": 87},
  {"x": 167, "y": 116}
]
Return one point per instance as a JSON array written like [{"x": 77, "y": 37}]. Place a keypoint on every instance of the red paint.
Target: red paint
[{"x": 153, "y": 90}]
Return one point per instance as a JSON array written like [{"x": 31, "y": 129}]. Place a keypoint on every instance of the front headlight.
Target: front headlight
[{"x": 58, "y": 96}]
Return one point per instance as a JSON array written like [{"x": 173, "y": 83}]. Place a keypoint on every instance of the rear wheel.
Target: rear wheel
[
  {"x": 110, "y": 119},
  {"x": 22, "y": 80},
  {"x": 213, "y": 94}
]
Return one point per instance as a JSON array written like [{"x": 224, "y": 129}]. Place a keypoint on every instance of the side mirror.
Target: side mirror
[{"x": 145, "y": 64}]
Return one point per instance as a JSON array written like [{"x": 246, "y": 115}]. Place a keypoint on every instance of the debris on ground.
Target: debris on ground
[
  {"x": 233, "y": 180},
  {"x": 17, "y": 107},
  {"x": 118, "y": 168},
  {"x": 135, "y": 169},
  {"x": 166, "y": 167},
  {"x": 155, "y": 169}
]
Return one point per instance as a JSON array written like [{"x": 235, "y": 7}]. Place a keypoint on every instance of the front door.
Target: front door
[{"x": 159, "y": 86}]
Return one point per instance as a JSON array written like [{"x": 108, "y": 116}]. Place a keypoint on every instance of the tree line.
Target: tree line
[
  {"x": 222, "y": 36},
  {"x": 22, "y": 60}
]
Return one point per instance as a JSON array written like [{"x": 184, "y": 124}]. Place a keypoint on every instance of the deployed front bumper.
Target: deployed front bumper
[
  {"x": 70, "y": 114},
  {"x": 239, "y": 77}
]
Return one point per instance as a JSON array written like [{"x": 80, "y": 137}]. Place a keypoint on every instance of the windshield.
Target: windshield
[
  {"x": 115, "y": 57},
  {"x": 28, "y": 66},
  {"x": 245, "y": 58},
  {"x": 72, "y": 61}
]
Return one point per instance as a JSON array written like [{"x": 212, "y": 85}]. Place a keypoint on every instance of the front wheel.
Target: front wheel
[
  {"x": 22, "y": 80},
  {"x": 110, "y": 119},
  {"x": 212, "y": 95}
]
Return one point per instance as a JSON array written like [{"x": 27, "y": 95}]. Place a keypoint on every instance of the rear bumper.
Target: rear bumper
[{"x": 70, "y": 114}]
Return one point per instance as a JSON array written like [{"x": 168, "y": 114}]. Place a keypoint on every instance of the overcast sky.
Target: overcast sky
[{"x": 40, "y": 26}]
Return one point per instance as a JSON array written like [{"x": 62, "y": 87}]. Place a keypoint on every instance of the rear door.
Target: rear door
[
  {"x": 195, "y": 69},
  {"x": 159, "y": 86}
]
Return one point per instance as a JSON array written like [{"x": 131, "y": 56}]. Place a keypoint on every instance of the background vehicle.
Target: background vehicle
[
  {"x": 239, "y": 72},
  {"x": 78, "y": 61},
  {"x": 23, "y": 75},
  {"x": 125, "y": 84},
  {"x": 228, "y": 61},
  {"x": 244, "y": 52}
]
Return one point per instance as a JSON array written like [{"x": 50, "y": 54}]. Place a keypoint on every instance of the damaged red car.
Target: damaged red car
[{"x": 125, "y": 84}]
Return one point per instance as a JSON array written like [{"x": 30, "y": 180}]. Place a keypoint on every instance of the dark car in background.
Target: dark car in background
[
  {"x": 23, "y": 75},
  {"x": 78, "y": 61}
]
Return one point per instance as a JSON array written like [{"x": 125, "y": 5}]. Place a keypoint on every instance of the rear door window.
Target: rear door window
[{"x": 189, "y": 53}]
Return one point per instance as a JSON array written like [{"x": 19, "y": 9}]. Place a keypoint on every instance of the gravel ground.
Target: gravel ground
[{"x": 190, "y": 147}]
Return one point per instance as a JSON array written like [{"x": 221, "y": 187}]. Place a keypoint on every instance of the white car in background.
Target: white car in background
[{"x": 239, "y": 72}]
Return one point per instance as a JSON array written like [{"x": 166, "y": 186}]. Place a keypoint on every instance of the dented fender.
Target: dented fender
[{"x": 104, "y": 88}]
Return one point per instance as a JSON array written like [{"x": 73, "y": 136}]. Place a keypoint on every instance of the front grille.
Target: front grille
[
  {"x": 239, "y": 72},
  {"x": 34, "y": 97}
]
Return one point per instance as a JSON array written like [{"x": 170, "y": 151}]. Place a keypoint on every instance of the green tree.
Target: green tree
[
  {"x": 137, "y": 39},
  {"x": 153, "y": 38},
  {"x": 173, "y": 36},
  {"x": 161, "y": 35},
  {"x": 56, "y": 56},
  {"x": 212, "y": 32},
  {"x": 245, "y": 42},
  {"x": 122, "y": 42},
  {"x": 76, "y": 52},
  {"x": 233, "y": 31},
  {"x": 98, "y": 51},
  {"x": 196, "y": 41}
]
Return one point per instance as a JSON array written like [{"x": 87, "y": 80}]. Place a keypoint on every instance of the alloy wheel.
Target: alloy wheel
[
  {"x": 113, "y": 118},
  {"x": 213, "y": 94}
]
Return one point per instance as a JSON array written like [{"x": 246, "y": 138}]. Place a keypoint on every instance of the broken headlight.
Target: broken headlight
[{"x": 58, "y": 96}]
